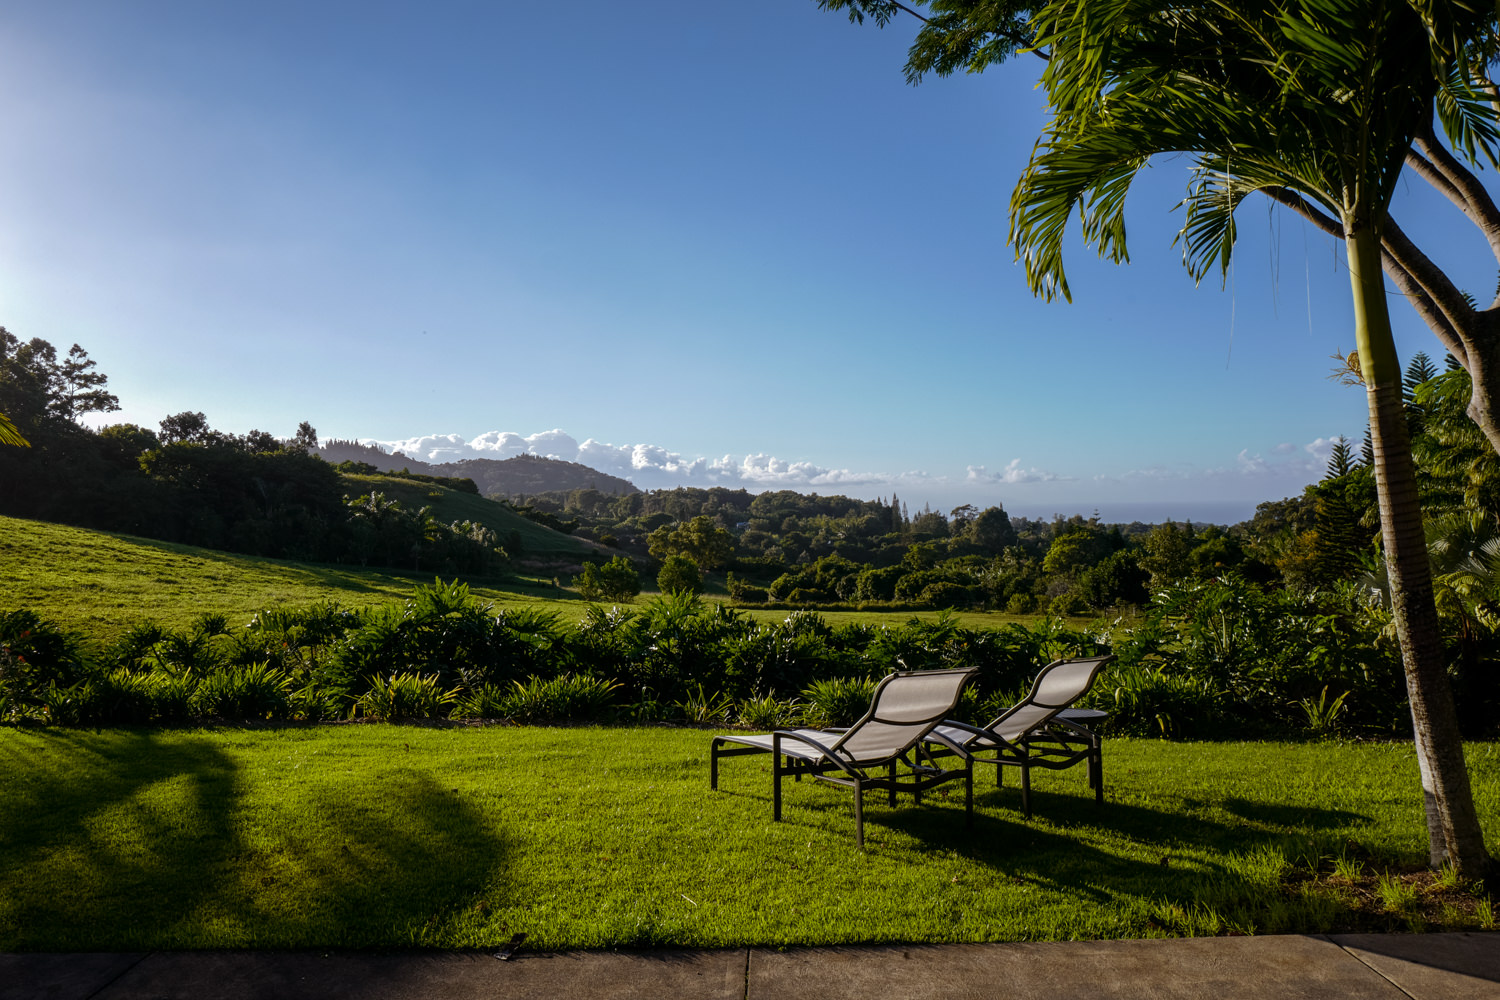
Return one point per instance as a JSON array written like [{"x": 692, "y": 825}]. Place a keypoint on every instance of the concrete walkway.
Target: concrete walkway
[{"x": 1461, "y": 966}]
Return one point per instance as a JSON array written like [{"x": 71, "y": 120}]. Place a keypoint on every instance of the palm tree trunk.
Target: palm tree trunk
[{"x": 1454, "y": 834}]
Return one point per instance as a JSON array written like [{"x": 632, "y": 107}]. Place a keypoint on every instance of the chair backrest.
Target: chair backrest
[
  {"x": 1060, "y": 684},
  {"x": 905, "y": 708}
]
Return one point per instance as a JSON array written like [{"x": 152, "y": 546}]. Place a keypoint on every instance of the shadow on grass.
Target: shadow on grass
[
  {"x": 136, "y": 839},
  {"x": 1194, "y": 874}
]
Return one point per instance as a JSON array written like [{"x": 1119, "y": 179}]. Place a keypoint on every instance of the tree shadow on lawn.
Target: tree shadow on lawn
[
  {"x": 1099, "y": 853},
  {"x": 136, "y": 839}
]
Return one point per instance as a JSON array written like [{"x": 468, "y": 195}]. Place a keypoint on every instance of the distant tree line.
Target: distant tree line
[{"x": 187, "y": 482}]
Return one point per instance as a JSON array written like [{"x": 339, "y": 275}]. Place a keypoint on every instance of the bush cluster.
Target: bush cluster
[{"x": 1205, "y": 659}]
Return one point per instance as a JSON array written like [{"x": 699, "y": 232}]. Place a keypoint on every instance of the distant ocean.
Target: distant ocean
[{"x": 1148, "y": 512}]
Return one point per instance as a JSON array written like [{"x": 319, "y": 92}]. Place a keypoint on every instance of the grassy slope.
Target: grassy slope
[
  {"x": 99, "y": 583},
  {"x": 373, "y": 836}
]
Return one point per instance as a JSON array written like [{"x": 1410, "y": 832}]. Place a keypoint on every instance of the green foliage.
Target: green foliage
[
  {"x": 700, "y": 540},
  {"x": 679, "y": 574},
  {"x": 1147, "y": 701},
  {"x": 404, "y": 696},
  {"x": 567, "y": 697},
  {"x": 1323, "y": 714},
  {"x": 703, "y": 708},
  {"x": 616, "y": 580},
  {"x": 256, "y": 691},
  {"x": 765, "y": 712},
  {"x": 837, "y": 701},
  {"x": 1226, "y": 656}
]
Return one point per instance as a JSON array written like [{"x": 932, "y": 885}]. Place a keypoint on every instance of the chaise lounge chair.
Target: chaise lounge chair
[
  {"x": 893, "y": 733},
  {"x": 1038, "y": 731}
]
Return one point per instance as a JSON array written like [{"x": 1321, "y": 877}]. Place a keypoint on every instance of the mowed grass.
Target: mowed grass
[
  {"x": 365, "y": 836},
  {"x": 100, "y": 583}
]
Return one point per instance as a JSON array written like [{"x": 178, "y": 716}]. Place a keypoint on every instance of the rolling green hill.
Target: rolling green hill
[{"x": 99, "y": 583}]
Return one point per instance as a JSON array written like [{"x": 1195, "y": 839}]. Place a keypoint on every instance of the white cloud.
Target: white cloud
[
  {"x": 651, "y": 466},
  {"x": 1244, "y": 477},
  {"x": 1011, "y": 474},
  {"x": 1321, "y": 450},
  {"x": 1304, "y": 463}
]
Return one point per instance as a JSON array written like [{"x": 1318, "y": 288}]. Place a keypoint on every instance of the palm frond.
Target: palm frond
[{"x": 10, "y": 434}]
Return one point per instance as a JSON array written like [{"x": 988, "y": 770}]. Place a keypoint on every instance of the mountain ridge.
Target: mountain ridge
[{"x": 520, "y": 475}]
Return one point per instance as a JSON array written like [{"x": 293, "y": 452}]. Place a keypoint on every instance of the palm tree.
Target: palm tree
[
  {"x": 1316, "y": 103},
  {"x": 10, "y": 434}
]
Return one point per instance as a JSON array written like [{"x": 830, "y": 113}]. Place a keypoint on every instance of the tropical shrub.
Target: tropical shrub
[
  {"x": 256, "y": 691},
  {"x": 566, "y": 698},
  {"x": 766, "y": 712},
  {"x": 405, "y": 696},
  {"x": 703, "y": 708},
  {"x": 838, "y": 701}
]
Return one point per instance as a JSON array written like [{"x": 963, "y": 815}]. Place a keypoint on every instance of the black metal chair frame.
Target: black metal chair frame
[
  {"x": 795, "y": 753},
  {"x": 1055, "y": 743}
]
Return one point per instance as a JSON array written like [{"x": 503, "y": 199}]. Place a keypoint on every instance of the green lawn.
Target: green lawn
[{"x": 362, "y": 835}]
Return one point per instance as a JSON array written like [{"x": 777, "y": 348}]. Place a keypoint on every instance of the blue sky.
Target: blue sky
[{"x": 685, "y": 242}]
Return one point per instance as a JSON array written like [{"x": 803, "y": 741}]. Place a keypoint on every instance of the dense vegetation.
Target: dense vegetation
[{"x": 1274, "y": 625}]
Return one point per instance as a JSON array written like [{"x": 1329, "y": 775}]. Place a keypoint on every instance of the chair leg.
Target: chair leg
[
  {"x": 859, "y": 815},
  {"x": 777, "y": 770},
  {"x": 1096, "y": 762},
  {"x": 713, "y": 765},
  {"x": 969, "y": 796},
  {"x": 891, "y": 792},
  {"x": 776, "y": 773},
  {"x": 1026, "y": 789}
]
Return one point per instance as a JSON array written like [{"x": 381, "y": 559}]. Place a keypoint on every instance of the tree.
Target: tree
[
  {"x": 306, "y": 439},
  {"x": 36, "y": 388},
  {"x": 186, "y": 427},
  {"x": 1315, "y": 103},
  {"x": 1165, "y": 554},
  {"x": 678, "y": 574},
  {"x": 1340, "y": 459},
  {"x": 992, "y": 530},
  {"x": 616, "y": 580},
  {"x": 701, "y": 540}
]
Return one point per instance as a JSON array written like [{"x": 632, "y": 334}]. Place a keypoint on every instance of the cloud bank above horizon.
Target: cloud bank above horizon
[{"x": 1249, "y": 476}]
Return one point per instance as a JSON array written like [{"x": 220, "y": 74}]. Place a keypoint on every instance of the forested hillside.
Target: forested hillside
[
  {"x": 508, "y": 478},
  {"x": 189, "y": 483}
]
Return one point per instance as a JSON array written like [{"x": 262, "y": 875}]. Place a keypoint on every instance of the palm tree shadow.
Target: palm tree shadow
[
  {"x": 103, "y": 824},
  {"x": 1168, "y": 856},
  {"x": 137, "y": 839}
]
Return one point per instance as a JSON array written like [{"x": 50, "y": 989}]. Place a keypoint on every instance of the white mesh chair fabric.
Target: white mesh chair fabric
[
  {"x": 1033, "y": 733},
  {"x": 905, "y": 709}
]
